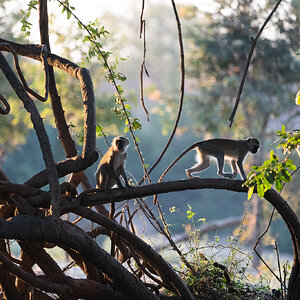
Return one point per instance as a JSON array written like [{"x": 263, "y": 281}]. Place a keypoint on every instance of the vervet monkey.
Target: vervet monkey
[
  {"x": 112, "y": 165},
  {"x": 233, "y": 150}
]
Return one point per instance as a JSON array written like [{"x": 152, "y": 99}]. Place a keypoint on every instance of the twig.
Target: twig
[
  {"x": 182, "y": 72},
  {"x": 279, "y": 268},
  {"x": 247, "y": 64},
  {"x": 6, "y": 109},
  {"x": 257, "y": 243},
  {"x": 104, "y": 135},
  {"x": 142, "y": 18},
  {"x": 167, "y": 234},
  {"x": 142, "y": 68}
]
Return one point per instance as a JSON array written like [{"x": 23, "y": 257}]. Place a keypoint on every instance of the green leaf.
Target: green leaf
[
  {"x": 260, "y": 190},
  {"x": 278, "y": 184},
  {"x": 285, "y": 176},
  {"x": 250, "y": 192},
  {"x": 86, "y": 38}
]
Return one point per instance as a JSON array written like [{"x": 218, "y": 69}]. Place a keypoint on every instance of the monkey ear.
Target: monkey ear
[{"x": 249, "y": 139}]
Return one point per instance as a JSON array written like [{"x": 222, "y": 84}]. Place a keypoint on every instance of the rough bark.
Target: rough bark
[{"x": 59, "y": 232}]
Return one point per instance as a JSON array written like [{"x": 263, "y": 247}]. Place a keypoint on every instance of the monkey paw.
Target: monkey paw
[{"x": 189, "y": 175}]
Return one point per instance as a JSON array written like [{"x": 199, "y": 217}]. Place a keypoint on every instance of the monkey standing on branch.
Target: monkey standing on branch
[
  {"x": 234, "y": 151},
  {"x": 112, "y": 165},
  {"x": 110, "y": 168}
]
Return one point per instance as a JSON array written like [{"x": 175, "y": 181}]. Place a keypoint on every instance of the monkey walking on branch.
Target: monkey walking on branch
[
  {"x": 234, "y": 151},
  {"x": 110, "y": 168}
]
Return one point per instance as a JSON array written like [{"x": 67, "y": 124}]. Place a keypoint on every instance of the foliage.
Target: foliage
[{"x": 275, "y": 170}]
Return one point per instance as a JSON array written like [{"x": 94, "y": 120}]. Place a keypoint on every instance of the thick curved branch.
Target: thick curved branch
[
  {"x": 56, "y": 231},
  {"x": 58, "y": 112},
  {"x": 43, "y": 54},
  {"x": 72, "y": 165},
  {"x": 166, "y": 272},
  {"x": 84, "y": 288},
  {"x": 96, "y": 196},
  {"x": 40, "y": 132},
  {"x": 82, "y": 74}
]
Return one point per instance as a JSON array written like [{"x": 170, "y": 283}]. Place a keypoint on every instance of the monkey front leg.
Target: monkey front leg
[
  {"x": 220, "y": 161},
  {"x": 233, "y": 168},
  {"x": 242, "y": 172},
  {"x": 123, "y": 173},
  {"x": 116, "y": 177}
]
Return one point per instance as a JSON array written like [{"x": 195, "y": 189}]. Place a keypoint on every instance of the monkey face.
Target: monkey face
[
  {"x": 121, "y": 143},
  {"x": 254, "y": 145},
  {"x": 255, "y": 148}
]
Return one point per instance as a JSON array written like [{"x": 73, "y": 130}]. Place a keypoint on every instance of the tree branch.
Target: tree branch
[
  {"x": 247, "y": 64},
  {"x": 182, "y": 74},
  {"x": 40, "y": 132},
  {"x": 84, "y": 288},
  {"x": 56, "y": 231}
]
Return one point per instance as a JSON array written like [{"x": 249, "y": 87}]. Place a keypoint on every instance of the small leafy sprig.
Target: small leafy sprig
[
  {"x": 26, "y": 25},
  {"x": 94, "y": 34},
  {"x": 274, "y": 170}
]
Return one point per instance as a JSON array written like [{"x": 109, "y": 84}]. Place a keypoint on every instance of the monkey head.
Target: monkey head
[
  {"x": 253, "y": 144},
  {"x": 120, "y": 143}
]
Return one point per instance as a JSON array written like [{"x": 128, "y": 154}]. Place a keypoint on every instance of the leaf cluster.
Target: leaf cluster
[
  {"x": 26, "y": 25},
  {"x": 274, "y": 170}
]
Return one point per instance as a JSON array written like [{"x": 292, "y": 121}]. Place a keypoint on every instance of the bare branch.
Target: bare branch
[
  {"x": 6, "y": 109},
  {"x": 143, "y": 64},
  {"x": 182, "y": 73},
  {"x": 144, "y": 250},
  {"x": 87, "y": 91},
  {"x": 247, "y": 64}
]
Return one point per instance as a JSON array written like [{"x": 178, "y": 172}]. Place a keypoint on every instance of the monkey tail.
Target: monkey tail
[{"x": 173, "y": 163}]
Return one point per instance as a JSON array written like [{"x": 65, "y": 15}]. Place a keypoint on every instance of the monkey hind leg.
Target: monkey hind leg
[{"x": 202, "y": 165}]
